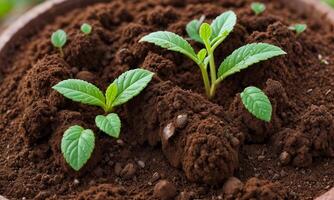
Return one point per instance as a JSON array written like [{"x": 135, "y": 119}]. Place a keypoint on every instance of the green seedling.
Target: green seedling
[
  {"x": 212, "y": 35},
  {"x": 78, "y": 143},
  {"x": 59, "y": 39},
  {"x": 298, "y": 28},
  {"x": 258, "y": 8},
  {"x": 86, "y": 28}
]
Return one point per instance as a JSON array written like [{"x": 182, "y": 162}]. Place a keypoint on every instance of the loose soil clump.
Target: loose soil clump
[{"x": 175, "y": 143}]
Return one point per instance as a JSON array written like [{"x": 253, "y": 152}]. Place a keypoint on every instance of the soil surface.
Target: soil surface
[{"x": 175, "y": 144}]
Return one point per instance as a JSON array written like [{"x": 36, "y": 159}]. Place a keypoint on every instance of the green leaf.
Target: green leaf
[
  {"x": 202, "y": 55},
  {"x": 205, "y": 32},
  {"x": 59, "y": 38},
  {"x": 258, "y": 8},
  {"x": 299, "y": 28},
  {"x": 171, "y": 41},
  {"x": 6, "y": 7},
  {"x": 86, "y": 28},
  {"x": 111, "y": 94},
  {"x": 246, "y": 56},
  {"x": 81, "y": 91},
  {"x": 130, "y": 84},
  {"x": 192, "y": 29},
  {"x": 223, "y": 25},
  {"x": 257, "y": 103},
  {"x": 77, "y": 146},
  {"x": 110, "y": 124}
]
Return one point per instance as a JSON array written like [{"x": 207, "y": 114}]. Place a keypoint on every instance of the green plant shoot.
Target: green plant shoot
[
  {"x": 258, "y": 8},
  {"x": 86, "y": 28},
  {"x": 298, "y": 28},
  {"x": 211, "y": 36},
  {"x": 78, "y": 143},
  {"x": 59, "y": 39}
]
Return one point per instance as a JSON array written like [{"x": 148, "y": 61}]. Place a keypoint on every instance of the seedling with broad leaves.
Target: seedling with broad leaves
[
  {"x": 78, "y": 143},
  {"x": 211, "y": 36},
  {"x": 298, "y": 28},
  {"x": 59, "y": 39}
]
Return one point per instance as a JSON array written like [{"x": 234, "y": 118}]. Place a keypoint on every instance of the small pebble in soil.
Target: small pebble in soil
[
  {"x": 155, "y": 177},
  {"x": 235, "y": 142},
  {"x": 181, "y": 121},
  {"x": 261, "y": 158},
  {"x": 86, "y": 76},
  {"x": 165, "y": 190},
  {"x": 128, "y": 171},
  {"x": 168, "y": 131},
  {"x": 141, "y": 163},
  {"x": 309, "y": 90},
  {"x": 76, "y": 181},
  {"x": 232, "y": 186},
  {"x": 74, "y": 70},
  {"x": 120, "y": 142},
  {"x": 285, "y": 158}
]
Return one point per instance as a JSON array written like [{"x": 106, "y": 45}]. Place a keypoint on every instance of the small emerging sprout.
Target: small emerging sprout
[
  {"x": 258, "y": 8},
  {"x": 78, "y": 143},
  {"x": 86, "y": 28},
  {"x": 298, "y": 28},
  {"x": 59, "y": 39}
]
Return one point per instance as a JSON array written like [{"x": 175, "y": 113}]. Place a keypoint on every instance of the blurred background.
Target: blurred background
[{"x": 11, "y": 9}]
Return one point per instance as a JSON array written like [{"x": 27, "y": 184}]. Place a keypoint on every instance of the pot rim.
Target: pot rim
[{"x": 50, "y": 9}]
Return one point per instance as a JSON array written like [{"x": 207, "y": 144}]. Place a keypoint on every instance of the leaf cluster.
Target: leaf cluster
[
  {"x": 78, "y": 143},
  {"x": 211, "y": 36}
]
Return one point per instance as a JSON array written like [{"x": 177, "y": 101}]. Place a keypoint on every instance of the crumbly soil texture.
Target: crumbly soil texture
[{"x": 175, "y": 143}]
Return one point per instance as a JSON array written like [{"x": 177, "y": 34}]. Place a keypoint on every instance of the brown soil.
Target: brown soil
[{"x": 174, "y": 143}]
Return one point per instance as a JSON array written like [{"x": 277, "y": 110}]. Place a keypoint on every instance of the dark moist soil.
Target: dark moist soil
[{"x": 174, "y": 142}]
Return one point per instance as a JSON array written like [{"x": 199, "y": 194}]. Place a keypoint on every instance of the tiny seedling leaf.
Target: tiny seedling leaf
[
  {"x": 192, "y": 29},
  {"x": 130, "y": 84},
  {"x": 246, "y": 56},
  {"x": 299, "y": 28},
  {"x": 202, "y": 55},
  {"x": 77, "y": 146},
  {"x": 59, "y": 38},
  {"x": 111, "y": 94},
  {"x": 258, "y": 8},
  {"x": 257, "y": 103},
  {"x": 172, "y": 42},
  {"x": 86, "y": 28},
  {"x": 223, "y": 25},
  {"x": 81, "y": 91},
  {"x": 205, "y": 32},
  {"x": 110, "y": 124}
]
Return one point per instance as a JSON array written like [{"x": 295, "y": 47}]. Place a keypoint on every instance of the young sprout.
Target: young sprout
[
  {"x": 211, "y": 36},
  {"x": 258, "y": 8},
  {"x": 78, "y": 143},
  {"x": 59, "y": 39},
  {"x": 298, "y": 28},
  {"x": 86, "y": 28}
]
